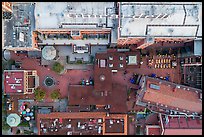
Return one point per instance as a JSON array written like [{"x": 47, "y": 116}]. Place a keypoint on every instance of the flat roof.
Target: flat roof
[
  {"x": 105, "y": 83},
  {"x": 119, "y": 60},
  {"x": 70, "y": 123},
  {"x": 114, "y": 125},
  {"x": 86, "y": 95},
  {"x": 160, "y": 19},
  {"x": 13, "y": 81},
  {"x": 71, "y": 12},
  {"x": 173, "y": 96}
]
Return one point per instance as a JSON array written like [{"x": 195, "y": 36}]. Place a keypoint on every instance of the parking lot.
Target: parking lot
[{"x": 18, "y": 29}]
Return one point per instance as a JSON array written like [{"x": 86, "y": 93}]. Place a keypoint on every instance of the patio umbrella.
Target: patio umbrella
[
  {"x": 31, "y": 113},
  {"x": 27, "y": 118},
  {"x": 49, "y": 52},
  {"x": 13, "y": 120}
]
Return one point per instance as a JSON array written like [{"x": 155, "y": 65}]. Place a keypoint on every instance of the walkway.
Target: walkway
[{"x": 69, "y": 77}]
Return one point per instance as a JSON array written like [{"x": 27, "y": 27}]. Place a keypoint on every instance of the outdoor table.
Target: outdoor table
[
  {"x": 28, "y": 110},
  {"x": 27, "y": 118}
]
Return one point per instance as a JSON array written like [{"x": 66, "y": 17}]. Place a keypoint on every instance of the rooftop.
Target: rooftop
[
  {"x": 86, "y": 95},
  {"x": 82, "y": 123},
  {"x": 161, "y": 19},
  {"x": 117, "y": 60},
  {"x": 173, "y": 96},
  {"x": 14, "y": 81},
  {"x": 20, "y": 81},
  {"x": 72, "y": 13}
]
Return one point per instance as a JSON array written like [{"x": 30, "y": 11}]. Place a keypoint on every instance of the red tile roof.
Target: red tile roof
[
  {"x": 173, "y": 97},
  {"x": 13, "y": 81},
  {"x": 183, "y": 132},
  {"x": 182, "y": 125}
]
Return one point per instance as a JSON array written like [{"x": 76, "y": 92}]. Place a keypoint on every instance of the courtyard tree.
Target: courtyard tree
[
  {"x": 57, "y": 67},
  {"x": 55, "y": 94},
  {"x": 39, "y": 94}
]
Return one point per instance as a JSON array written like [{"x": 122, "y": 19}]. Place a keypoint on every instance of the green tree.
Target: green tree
[
  {"x": 57, "y": 67},
  {"x": 55, "y": 94},
  {"x": 39, "y": 94}
]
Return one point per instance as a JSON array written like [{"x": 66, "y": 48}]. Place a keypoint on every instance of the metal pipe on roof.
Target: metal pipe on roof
[
  {"x": 140, "y": 15},
  {"x": 163, "y": 16}
]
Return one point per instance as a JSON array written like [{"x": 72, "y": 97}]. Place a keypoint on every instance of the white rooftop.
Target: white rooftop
[
  {"x": 137, "y": 18},
  {"x": 52, "y": 14}
]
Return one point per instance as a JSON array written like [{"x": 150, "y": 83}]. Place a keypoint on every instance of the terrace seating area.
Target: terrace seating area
[
  {"x": 92, "y": 126},
  {"x": 162, "y": 62}
]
